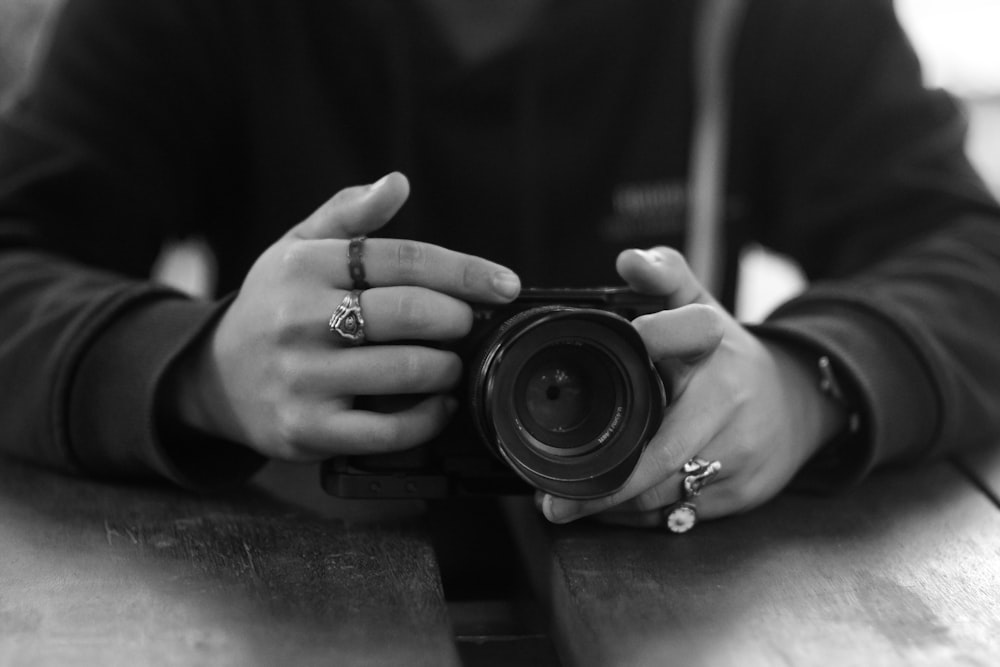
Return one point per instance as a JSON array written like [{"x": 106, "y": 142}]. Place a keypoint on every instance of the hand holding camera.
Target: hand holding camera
[
  {"x": 559, "y": 389},
  {"x": 753, "y": 407},
  {"x": 272, "y": 374},
  {"x": 626, "y": 404}
]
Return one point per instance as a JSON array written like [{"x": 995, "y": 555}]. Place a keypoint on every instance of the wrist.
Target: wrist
[
  {"x": 820, "y": 416},
  {"x": 186, "y": 394}
]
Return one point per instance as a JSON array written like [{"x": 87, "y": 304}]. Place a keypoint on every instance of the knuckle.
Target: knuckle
[
  {"x": 739, "y": 455},
  {"x": 738, "y": 394},
  {"x": 671, "y": 257},
  {"x": 283, "y": 315},
  {"x": 674, "y": 453},
  {"x": 290, "y": 421},
  {"x": 411, "y": 313},
  {"x": 343, "y": 196},
  {"x": 294, "y": 257},
  {"x": 282, "y": 367},
  {"x": 472, "y": 277},
  {"x": 409, "y": 370},
  {"x": 285, "y": 321},
  {"x": 410, "y": 259},
  {"x": 291, "y": 377}
]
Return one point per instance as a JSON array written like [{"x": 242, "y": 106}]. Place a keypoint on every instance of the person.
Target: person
[{"x": 543, "y": 143}]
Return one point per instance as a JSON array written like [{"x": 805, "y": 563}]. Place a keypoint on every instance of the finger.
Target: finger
[
  {"x": 381, "y": 370},
  {"x": 718, "y": 500},
  {"x": 325, "y": 432},
  {"x": 666, "y": 492},
  {"x": 687, "y": 430},
  {"x": 671, "y": 490},
  {"x": 390, "y": 314},
  {"x": 662, "y": 271},
  {"x": 740, "y": 493},
  {"x": 390, "y": 262},
  {"x": 688, "y": 333},
  {"x": 413, "y": 313},
  {"x": 356, "y": 210},
  {"x": 678, "y": 340}
]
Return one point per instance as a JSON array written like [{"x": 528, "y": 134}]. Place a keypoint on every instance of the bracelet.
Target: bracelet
[
  {"x": 842, "y": 459},
  {"x": 831, "y": 387}
]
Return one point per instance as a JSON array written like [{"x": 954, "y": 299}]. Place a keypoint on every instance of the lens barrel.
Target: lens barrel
[{"x": 567, "y": 397}]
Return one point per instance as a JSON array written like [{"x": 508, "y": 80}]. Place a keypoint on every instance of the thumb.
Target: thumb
[
  {"x": 662, "y": 271},
  {"x": 356, "y": 210},
  {"x": 680, "y": 339}
]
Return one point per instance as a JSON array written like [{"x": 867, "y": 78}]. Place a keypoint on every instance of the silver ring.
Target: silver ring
[
  {"x": 699, "y": 473},
  {"x": 355, "y": 262},
  {"x": 682, "y": 515},
  {"x": 347, "y": 320}
]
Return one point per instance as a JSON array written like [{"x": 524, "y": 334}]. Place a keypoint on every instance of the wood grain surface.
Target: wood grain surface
[
  {"x": 904, "y": 570},
  {"x": 103, "y": 574}
]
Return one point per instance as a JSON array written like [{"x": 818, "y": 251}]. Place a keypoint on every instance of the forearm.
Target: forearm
[
  {"x": 915, "y": 336},
  {"x": 88, "y": 353}
]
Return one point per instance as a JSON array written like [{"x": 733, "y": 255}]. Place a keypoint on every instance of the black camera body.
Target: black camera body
[{"x": 558, "y": 394}]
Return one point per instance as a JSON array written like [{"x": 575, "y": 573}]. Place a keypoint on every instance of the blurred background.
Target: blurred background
[
  {"x": 958, "y": 46},
  {"x": 956, "y": 40},
  {"x": 959, "y": 51},
  {"x": 22, "y": 24}
]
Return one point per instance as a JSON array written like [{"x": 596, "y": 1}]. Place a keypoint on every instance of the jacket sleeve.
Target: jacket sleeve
[
  {"x": 862, "y": 177},
  {"x": 93, "y": 173}
]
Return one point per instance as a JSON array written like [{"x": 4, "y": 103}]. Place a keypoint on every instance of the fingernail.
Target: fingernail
[
  {"x": 648, "y": 256},
  {"x": 506, "y": 284},
  {"x": 379, "y": 183},
  {"x": 558, "y": 510}
]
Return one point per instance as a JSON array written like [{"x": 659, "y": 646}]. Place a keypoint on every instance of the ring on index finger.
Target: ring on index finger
[{"x": 355, "y": 262}]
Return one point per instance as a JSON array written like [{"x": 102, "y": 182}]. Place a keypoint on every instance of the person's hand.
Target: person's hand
[
  {"x": 751, "y": 405},
  {"x": 274, "y": 377}
]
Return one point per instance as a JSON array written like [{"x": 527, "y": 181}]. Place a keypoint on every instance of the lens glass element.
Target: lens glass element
[{"x": 565, "y": 395}]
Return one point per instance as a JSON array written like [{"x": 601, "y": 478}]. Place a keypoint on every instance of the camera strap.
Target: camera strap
[{"x": 716, "y": 32}]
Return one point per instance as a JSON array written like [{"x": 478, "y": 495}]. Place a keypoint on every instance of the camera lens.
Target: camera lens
[
  {"x": 567, "y": 397},
  {"x": 564, "y": 397}
]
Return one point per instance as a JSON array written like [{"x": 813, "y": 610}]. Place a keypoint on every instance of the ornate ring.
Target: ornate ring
[
  {"x": 347, "y": 320},
  {"x": 699, "y": 473},
  {"x": 355, "y": 263},
  {"x": 680, "y": 517}
]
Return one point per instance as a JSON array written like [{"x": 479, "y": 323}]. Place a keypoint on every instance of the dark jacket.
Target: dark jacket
[{"x": 234, "y": 120}]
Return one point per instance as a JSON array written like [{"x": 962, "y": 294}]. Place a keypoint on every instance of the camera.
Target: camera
[{"x": 558, "y": 394}]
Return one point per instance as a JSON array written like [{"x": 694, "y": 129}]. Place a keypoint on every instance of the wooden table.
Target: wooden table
[
  {"x": 904, "y": 571},
  {"x": 100, "y": 574}
]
